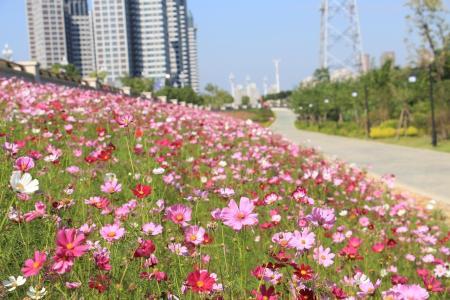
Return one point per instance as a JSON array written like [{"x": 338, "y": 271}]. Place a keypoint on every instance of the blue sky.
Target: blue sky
[{"x": 244, "y": 36}]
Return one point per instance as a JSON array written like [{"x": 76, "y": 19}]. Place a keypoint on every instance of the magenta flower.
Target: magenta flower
[
  {"x": 323, "y": 256},
  {"x": 38, "y": 212},
  {"x": 70, "y": 243},
  {"x": 179, "y": 214},
  {"x": 24, "y": 164},
  {"x": 34, "y": 265},
  {"x": 112, "y": 232},
  {"x": 237, "y": 217}
]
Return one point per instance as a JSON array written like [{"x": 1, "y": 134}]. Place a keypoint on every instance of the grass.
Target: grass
[
  {"x": 208, "y": 161},
  {"x": 421, "y": 142},
  {"x": 264, "y": 117}
]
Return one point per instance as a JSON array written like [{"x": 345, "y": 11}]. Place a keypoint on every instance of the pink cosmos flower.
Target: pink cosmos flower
[
  {"x": 73, "y": 170},
  {"x": 178, "y": 249},
  {"x": 62, "y": 264},
  {"x": 70, "y": 243},
  {"x": 179, "y": 214},
  {"x": 237, "y": 217},
  {"x": 323, "y": 256},
  {"x": 73, "y": 285},
  {"x": 39, "y": 212},
  {"x": 102, "y": 259},
  {"x": 302, "y": 240},
  {"x": 124, "y": 119},
  {"x": 405, "y": 292},
  {"x": 194, "y": 235},
  {"x": 112, "y": 232},
  {"x": 367, "y": 288},
  {"x": 33, "y": 266},
  {"x": 111, "y": 186},
  {"x": 152, "y": 228},
  {"x": 24, "y": 164}
]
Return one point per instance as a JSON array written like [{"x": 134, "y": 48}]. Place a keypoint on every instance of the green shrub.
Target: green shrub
[
  {"x": 385, "y": 133},
  {"x": 382, "y": 133},
  {"x": 389, "y": 124}
]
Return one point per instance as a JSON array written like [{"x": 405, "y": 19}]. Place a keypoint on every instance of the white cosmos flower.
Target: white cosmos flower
[
  {"x": 158, "y": 171},
  {"x": 12, "y": 283},
  {"x": 23, "y": 183},
  {"x": 36, "y": 294}
]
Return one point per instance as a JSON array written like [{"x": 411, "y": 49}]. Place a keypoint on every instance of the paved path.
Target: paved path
[{"x": 423, "y": 171}]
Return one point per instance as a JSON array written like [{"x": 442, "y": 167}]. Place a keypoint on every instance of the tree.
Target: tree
[
  {"x": 245, "y": 100},
  {"x": 70, "y": 70},
  {"x": 216, "y": 97},
  {"x": 100, "y": 75},
  {"x": 184, "y": 94},
  {"x": 429, "y": 19},
  {"x": 138, "y": 85}
]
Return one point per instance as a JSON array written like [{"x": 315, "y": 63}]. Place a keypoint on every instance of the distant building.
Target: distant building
[
  {"x": 193, "y": 54},
  {"x": 112, "y": 38},
  {"x": 387, "y": 56},
  {"x": 79, "y": 36},
  {"x": 47, "y": 31},
  {"x": 365, "y": 63},
  {"x": 148, "y": 38}
]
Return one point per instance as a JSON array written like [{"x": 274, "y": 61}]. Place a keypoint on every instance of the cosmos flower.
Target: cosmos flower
[
  {"x": 200, "y": 281},
  {"x": 142, "y": 191},
  {"x": 179, "y": 214},
  {"x": 24, "y": 164},
  {"x": 12, "y": 282},
  {"x": 323, "y": 256},
  {"x": 239, "y": 216},
  {"x": 303, "y": 240},
  {"x": 23, "y": 183},
  {"x": 112, "y": 232},
  {"x": 35, "y": 293},
  {"x": 194, "y": 235},
  {"x": 70, "y": 243},
  {"x": 32, "y": 266}
]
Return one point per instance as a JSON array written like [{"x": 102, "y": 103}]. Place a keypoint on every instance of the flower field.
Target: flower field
[{"x": 105, "y": 196}]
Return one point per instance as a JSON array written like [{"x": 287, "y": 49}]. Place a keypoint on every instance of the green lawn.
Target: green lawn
[
  {"x": 418, "y": 142},
  {"x": 423, "y": 142}
]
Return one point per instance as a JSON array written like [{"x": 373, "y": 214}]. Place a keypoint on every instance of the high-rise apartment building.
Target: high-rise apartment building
[
  {"x": 112, "y": 38},
  {"x": 193, "y": 54},
  {"x": 47, "y": 31},
  {"x": 79, "y": 36},
  {"x": 149, "y": 38}
]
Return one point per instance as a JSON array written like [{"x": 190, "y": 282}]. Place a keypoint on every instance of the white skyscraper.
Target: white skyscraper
[
  {"x": 149, "y": 38},
  {"x": 112, "y": 38},
  {"x": 193, "y": 54},
  {"x": 46, "y": 31}
]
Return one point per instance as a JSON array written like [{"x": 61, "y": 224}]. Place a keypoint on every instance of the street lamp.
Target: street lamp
[
  {"x": 7, "y": 52},
  {"x": 326, "y": 101},
  {"x": 412, "y": 79}
]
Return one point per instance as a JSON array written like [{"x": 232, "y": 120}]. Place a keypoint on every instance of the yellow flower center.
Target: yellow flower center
[
  {"x": 36, "y": 265},
  {"x": 193, "y": 237},
  {"x": 179, "y": 217},
  {"x": 70, "y": 246},
  {"x": 20, "y": 187},
  {"x": 303, "y": 272},
  {"x": 200, "y": 284},
  {"x": 111, "y": 234},
  {"x": 240, "y": 216}
]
